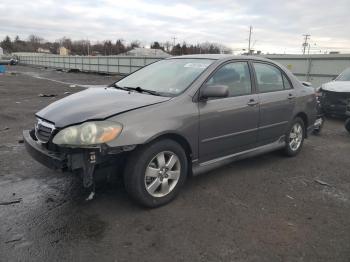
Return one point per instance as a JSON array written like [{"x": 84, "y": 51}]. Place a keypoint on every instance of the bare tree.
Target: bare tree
[
  {"x": 135, "y": 44},
  {"x": 107, "y": 47},
  {"x": 34, "y": 42},
  {"x": 167, "y": 46},
  {"x": 119, "y": 47},
  {"x": 6, "y": 44}
]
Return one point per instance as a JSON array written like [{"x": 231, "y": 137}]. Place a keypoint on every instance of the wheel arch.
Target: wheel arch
[
  {"x": 179, "y": 139},
  {"x": 176, "y": 137}
]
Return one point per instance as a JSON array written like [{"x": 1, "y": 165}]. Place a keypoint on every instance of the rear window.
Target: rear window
[{"x": 269, "y": 78}]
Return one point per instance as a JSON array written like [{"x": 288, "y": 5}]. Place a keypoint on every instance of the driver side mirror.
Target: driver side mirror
[{"x": 214, "y": 91}]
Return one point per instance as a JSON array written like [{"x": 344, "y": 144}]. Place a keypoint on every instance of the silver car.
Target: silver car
[
  {"x": 177, "y": 117},
  {"x": 335, "y": 95}
]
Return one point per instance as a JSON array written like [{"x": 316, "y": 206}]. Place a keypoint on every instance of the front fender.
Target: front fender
[{"x": 140, "y": 126}]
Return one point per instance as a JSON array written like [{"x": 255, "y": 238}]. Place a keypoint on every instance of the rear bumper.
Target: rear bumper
[{"x": 42, "y": 155}]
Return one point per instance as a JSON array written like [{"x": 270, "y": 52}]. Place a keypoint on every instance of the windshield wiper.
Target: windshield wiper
[
  {"x": 137, "y": 89},
  {"x": 141, "y": 90}
]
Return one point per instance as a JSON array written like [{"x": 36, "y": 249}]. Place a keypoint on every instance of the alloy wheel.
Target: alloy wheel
[
  {"x": 162, "y": 174},
  {"x": 296, "y": 136}
]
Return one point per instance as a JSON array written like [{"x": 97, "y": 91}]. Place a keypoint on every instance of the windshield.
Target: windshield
[
  {"x": 344, "y": 76},
  {"x": 167, "y": 77}
]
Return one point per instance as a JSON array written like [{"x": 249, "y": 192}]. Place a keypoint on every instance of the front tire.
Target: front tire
[
  {"x": 295, "y": 137},
  {"x": 155, "y": 173}
]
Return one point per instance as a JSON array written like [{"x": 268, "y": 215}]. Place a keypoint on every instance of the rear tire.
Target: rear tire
[
  {"x": 295, "y": 137},
  {"x": 155, "y": 172}
]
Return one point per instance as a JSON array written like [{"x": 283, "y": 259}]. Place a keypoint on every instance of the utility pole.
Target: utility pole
[
  {"x": 88, "y": 46},
  {"x": 305, "y": 44},
  {"x": 173, "y": 38},
  {"x": 250, "y": 39}
]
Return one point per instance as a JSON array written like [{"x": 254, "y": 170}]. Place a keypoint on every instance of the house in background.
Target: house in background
[
  {"x": 63, "y": 51},
  {"x": 95, "y": 53},
  {"x": 43, "y": 50}
]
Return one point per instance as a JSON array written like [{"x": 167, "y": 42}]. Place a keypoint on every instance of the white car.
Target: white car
[{"x": 336, "y": 94}]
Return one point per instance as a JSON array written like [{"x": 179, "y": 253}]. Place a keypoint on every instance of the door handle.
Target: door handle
[
  {"x": 291, "y": 96},
  {"x": 252, "y": 102}
]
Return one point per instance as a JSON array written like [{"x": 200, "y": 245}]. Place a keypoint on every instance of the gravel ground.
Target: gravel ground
[{"x": 268, "y": 208}]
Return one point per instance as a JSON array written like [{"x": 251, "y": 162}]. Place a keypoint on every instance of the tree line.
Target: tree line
[{"x": 108, "y": 47}]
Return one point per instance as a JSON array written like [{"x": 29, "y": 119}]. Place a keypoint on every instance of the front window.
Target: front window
[
  {"x": 168, "y": 77},
  {"x": 344, "y": 76},
  {"x": 235, "y": 76}
]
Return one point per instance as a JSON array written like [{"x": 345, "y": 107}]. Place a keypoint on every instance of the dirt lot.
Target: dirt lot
[{"x": 269, "y": 208}]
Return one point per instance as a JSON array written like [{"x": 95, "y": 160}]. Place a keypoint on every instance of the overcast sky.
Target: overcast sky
[{"x": 278, "y": 26}]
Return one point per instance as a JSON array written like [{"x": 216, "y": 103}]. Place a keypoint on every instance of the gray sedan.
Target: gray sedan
[{"x": 174, "y": 118}]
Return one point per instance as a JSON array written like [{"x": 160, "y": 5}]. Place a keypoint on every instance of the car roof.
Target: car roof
[{"x": 222, "y": 57}]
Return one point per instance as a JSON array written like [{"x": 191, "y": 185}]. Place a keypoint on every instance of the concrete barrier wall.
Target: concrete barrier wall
[
  {"x": 101, "y": 64},
  {"x": 316, "y": 69}
]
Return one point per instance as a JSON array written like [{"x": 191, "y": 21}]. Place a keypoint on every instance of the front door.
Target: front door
[{"x": 229, "y": 125}]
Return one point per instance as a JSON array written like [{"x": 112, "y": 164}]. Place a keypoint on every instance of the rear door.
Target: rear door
[
  {"x": 277, "y": 101},
  {"x": 229, "y": 125}
]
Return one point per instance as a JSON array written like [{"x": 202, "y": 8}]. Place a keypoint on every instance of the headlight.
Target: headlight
[{"x": 89, "y": 133}]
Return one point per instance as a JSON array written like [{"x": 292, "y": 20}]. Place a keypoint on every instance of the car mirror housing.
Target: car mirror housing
[{"x": 214, "y": 91}]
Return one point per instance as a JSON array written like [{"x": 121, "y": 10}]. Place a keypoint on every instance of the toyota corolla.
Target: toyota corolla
[{"x": 177, "y": 117}]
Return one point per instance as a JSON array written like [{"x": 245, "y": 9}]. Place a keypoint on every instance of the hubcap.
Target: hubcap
[
  {"x": 162, "y": 174},
  {"x": 295, "y": 136}
]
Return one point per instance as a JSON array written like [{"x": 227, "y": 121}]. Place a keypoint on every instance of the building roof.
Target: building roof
[{"x": 140, "y": 51}]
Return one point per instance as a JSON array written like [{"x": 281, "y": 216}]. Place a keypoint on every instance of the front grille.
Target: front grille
[
  {"x": 43, "y": 131},
  {"x": 336, "y": 98}
]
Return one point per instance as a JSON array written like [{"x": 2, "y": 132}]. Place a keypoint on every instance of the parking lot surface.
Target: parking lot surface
[{"x": 267, "y": 208}]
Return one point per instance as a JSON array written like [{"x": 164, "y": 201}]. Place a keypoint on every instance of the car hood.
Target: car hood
[
  {"x": 337, "y": 86},
  {"x": 95, "y": 104}
]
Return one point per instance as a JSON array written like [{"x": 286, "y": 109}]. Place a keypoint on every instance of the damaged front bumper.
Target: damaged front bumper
[
  {"x": 37, "y": 151},
  {"x": 335, "y": 103},
  {"x": 86, "y": 160}
]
